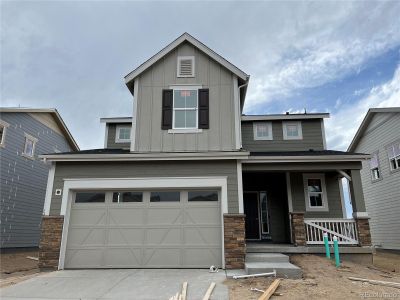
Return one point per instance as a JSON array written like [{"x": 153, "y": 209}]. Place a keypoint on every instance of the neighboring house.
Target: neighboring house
[
  {"x": 187, "y": 181},
  {"x": 379, "y": 135},
  {"x": 26, "y": 133}
]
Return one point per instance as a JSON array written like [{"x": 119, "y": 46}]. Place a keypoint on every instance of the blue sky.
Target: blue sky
[{"x": 339, "y": 57}]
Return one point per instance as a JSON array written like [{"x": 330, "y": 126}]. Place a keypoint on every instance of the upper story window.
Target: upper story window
[
  {"x": 394, "y": 156},
  {"x": 185, "y": 66},
  {"x": 3, "y": 129},
  {"x": 29, "y": 147},
  {"x": 292, "y": 130},
  {"x": 315, "y": 192},
  {"x": 374, "y": 167},
  {"x": 262, "y": 131},
  {"x": 123, "y": 134},
  {"x": 185, "y": 106}
]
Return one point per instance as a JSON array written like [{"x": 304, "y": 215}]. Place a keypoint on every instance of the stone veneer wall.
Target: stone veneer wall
[
  {"x": 298, "y": 228},
  {"x": 363, "y": 230},
  {"x": 50, "y": 241},
  {"x": 234, "y": 241}
]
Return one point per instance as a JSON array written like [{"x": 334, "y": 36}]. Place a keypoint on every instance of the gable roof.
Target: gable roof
[
  {"x": 51, "y": 111},
  {"x": 186, "y": 37},
  {"x": 367, "y": 119}
]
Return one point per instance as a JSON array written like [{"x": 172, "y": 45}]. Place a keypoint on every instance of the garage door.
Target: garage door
[{"x": 150, "y": 229}]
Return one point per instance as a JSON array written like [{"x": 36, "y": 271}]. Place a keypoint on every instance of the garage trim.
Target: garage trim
[{"x": 138, "y": 183}]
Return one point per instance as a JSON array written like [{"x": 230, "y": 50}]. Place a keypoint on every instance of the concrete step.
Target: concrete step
[
  {"x": 266, "y": 257},
  {"x": 283, "y": 269}
]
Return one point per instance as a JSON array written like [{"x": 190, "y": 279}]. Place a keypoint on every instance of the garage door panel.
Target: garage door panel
[
  {"x": 202, "y": 236},
  {"x": 123, "y": 257},
  {"x": 127, "y": 216},
  {"x": 200, "y": 215},
  {"x": 125, "y": 236},
  {"x": 163, "y": 258},
  {"x": 160, "y": 216},
  {"x": 84, "y": 258},
  {"x": 95, "y": 216},
  {"x": 163, "y": 236},
  {"x": 195, "y": 258},
  {"x": 86, "y": 237}
]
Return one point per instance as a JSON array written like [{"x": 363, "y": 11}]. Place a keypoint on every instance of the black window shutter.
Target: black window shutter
[
  {"x": 166, "y": 117},
  {"x": 204, "y": 109}
]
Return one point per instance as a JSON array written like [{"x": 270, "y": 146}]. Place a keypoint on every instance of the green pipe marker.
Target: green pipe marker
[
  {"x": 326, "y": 242},
  {"x": 336, "y": 250}
]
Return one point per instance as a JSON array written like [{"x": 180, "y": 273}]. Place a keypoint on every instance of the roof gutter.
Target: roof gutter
[{"x": 316, "y": 158}]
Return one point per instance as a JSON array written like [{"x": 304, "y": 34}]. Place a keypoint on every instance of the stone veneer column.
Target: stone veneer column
[
  {"x": 50, "y": 241},
  {"x": 363, "y": 231},
  {"x": 234, "y": 241},
  {"x": 298, "y": 228}
]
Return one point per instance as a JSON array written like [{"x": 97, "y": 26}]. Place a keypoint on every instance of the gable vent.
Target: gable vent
[{"x": 185, "y": 66}]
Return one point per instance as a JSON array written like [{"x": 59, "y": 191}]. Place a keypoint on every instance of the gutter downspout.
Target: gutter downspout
[{"x": 240, "y": 113}]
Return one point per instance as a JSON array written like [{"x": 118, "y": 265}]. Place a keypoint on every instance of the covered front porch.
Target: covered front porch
[{"x": 294, "y": 203}]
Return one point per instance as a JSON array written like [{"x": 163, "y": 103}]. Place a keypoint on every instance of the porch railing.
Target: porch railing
[{"x": 344, "y": 229}]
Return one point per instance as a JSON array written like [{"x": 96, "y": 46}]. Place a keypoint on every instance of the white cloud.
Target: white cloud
[{"x": 344, "y": 123}]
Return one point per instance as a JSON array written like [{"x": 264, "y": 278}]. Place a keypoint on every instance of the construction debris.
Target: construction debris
[
  {"x": 271, "y": 290},
  {"x": 209, "y": 291},
  {"x": 262, "y": 291},
  {"x": 255, "y": 275},
  {"x": 184, "y": 290},
  {"x": 377, "y": 282},
  {"x": 32, "y": 258}
]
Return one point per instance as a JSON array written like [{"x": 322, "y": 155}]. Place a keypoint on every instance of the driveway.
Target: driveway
[{"x": 149, "y": 284}]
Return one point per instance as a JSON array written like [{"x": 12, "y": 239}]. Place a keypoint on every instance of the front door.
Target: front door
[{"x": 251, "y": 209}]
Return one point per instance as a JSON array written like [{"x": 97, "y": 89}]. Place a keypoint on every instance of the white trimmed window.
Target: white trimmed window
[
  {"x": 394, "y": 156},
  {"x": 3, "y": 130},
  {"x": 123, "y": 134},
  {"x": 292, "y": 130},
  {"x": 29, "y": 147},
  {"x": 315, "y": 192},
  {"x": 262, "y": 131},
  {"x": 185, "y": 108},
  {"x": 374, "y": 167},
  {"x": 185, "y": 66}
]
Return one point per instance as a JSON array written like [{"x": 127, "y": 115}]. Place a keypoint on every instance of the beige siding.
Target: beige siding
[
  {"x": 146, "y": 169},
  {"x": 312, "y": 138},
  {"x": 209, "y": 74},
  {"x": 382, "y": 198},
  {"x": 112, "y": 130},
  {"x": 332, "y": 189}
]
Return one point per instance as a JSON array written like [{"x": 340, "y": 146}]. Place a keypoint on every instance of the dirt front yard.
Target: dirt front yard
[
  {"x": 322, "y": 280},
  {"x": 15, "y": 266}
]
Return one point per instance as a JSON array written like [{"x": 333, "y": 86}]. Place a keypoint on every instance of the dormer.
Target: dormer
[{"x": 117, "y": 132}]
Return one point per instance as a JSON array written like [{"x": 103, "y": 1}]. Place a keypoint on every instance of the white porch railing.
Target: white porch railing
[{"x": 344, "y": 229}]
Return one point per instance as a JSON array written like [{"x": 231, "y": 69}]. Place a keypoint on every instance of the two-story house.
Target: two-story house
[
  {"x": 379, "y": 135},
  {"x": 187, "y": 181},
  {"x": 26, "y": 133}
]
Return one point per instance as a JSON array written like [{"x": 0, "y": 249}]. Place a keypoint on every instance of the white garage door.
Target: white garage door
[{"x": 151, "y": 229}]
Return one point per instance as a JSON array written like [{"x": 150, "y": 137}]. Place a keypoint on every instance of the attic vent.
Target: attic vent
[{"x": 185, "y": 66}]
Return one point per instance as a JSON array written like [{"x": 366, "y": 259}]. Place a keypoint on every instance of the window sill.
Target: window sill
[
  {"x": 317, "y": 209},
  {"x": 122, "y": 141},
  {"x": 195, "y": 130},
  {"x": 27, "y": 156}
]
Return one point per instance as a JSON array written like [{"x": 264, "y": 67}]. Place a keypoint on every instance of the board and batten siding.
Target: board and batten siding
[
  {"x": 312, "y": 137},
  {"x": 382, "y": 198},
  {"x": 332, "y": 189},
  {"x": 112, "y": 131},
  {"x": 22, "y": 180},
  {"x": 209, "y": 74},
  {"x": 146, "y": 169}
]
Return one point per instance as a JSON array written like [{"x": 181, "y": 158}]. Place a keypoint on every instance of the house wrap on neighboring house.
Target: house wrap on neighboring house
[
  {"x": 379, "y": 135},
  {"x": 187, "y": 181},
  {"x": 25, "y": 133}
]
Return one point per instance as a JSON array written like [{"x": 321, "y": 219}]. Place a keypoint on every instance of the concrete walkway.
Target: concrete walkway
[{"x": 144, "y": 284}]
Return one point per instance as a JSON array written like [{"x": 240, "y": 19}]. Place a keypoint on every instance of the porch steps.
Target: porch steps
[{"x": 268, "y": 262}]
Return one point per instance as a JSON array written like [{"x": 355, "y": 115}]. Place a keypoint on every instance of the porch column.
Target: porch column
[
  {"x": 359, "y": 211},
  {"x": 234, "y": 241},
  {"x": 298, "y": 228}
]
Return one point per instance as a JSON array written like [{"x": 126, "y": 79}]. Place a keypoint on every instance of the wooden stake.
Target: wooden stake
[
  {"x": 377, "y": 282},
  {"x": 209, "y": 291},
  {"x": 271, "y": 290},
  {"x": 184, "y": 290}
]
